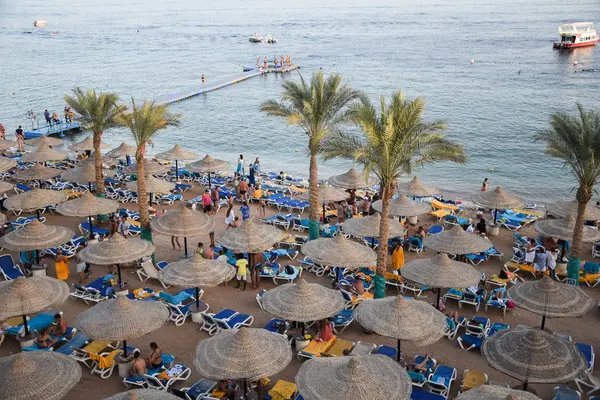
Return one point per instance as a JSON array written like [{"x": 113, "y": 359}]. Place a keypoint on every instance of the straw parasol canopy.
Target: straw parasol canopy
[
  {"x": 31, "y": 375},
  {"x": 351, "y": 180},
  {"x": 5, "y": 186},
  {"x": 177, "y": 153},
  {"x": 549, "y": 298},
  {"x": 121, "y": 319},
  {"x": 562, "y": 209},
  {"x": 183, "y": 222},
  {"x": 402, "y": 319},
  {"x": 208, "y": 164},
  {"x": 532, "y": 355},
  {"x": 116, "y": 250},
  {"x": 326, "y": 194},
  {"x": 7, "y": 144},
  {"x": 107, "y": 162},
  {"x": 196, "y": 271},
  {"x": 36, "y": 236},
  {"x": 402, "y": 205},
  {"x": 37, "y": 172},
  {"x": 149, "y": 168},
  {"x": 242, "y": 354},
  {"x": 87, "y": 205},
  {"x": 367, "y": 377},
  {"x": 84, "y": 174},
  {"x": 415, "y": 188},
  {"x": 497, "y": 199},
  {"x": 491, "y": 392},
  {"x": 23, "y": 296},
  {"x": 7, "y": 163},
  {"x": 44, "y": 141},
  {"x": 457, "y": 241},
  {"x": 123, "y": 150},
  {"x": 563, "y": 229},
  {"x": 369, "y": 226},
  {"x": 153, "y": 185},
  {"x": 302, "y": 302},
  {"x": 251, "y": 237},
  {"x": 3, "y": 219},
  {"x": 35, "y": 199},
  {"x": 143, "y": 394},
  {"x": 86, "y": 144},
  {"x": 441, "y": 272},
  {"x": 339, "y": 252},
  {"x": 43, "y": 154}
]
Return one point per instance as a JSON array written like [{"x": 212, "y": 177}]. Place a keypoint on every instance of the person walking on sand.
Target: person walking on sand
[
  {"x": 20, "y": 139},
  {"x": 484, "y": 185},
  {"x": 61, "y": 263}
]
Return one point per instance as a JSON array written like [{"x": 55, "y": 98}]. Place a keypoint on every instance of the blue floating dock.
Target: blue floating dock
[
  {"x": 249, "y": 72},
  {"x": 54, "y": 129}
]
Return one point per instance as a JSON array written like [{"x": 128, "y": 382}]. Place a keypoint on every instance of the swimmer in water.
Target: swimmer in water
[{"x": 203, "y": 79}]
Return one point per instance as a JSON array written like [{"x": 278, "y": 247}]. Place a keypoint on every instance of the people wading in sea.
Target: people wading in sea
[{"x": 484, "y": 185}]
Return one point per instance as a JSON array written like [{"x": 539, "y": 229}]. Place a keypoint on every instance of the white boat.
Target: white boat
[
  {"x": 578, "y": 34},
  {"x": 255, "y": 39},
  {"x": 270, "y": 39},
  {"x": 39, "y": 23}
]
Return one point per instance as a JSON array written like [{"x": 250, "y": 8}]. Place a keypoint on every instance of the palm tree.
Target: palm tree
[
  {"x": 144, "y": 122},
  {"x": 394, "y": 140},
  {"x": 96, "y": 112},
  {"x": 318, "y": 107},
  {"x": 576, "y": 141}
]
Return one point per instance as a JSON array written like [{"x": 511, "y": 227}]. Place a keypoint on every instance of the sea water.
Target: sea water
[{"x": 493, "y": 105}]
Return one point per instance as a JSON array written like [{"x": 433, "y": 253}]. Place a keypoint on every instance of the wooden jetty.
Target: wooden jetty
[{"x": 54, "y": 129}]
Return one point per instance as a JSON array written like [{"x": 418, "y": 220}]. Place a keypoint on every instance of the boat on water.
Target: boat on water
[
  {"x": 39, "y": 23},
  {"x": 255, "y": 38},
  {"x": 577, "y": 34},
  {"x": 270, "y": 39}
]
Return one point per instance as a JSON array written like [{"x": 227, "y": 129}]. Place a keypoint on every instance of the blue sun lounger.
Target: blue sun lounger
[
  {"x": 588, "y": 353},
  {"x": 9, "y": 269},
  {"x": 199, "y": 390},
  {"x": 420, "y": 394},
  {"x": 37, "y": 323},
  {"x": 79, "y": 341},
  {"x": 387, "y": 351},
  {"x": 84, "y": 228},
  {"x": 441, "y": 380}
]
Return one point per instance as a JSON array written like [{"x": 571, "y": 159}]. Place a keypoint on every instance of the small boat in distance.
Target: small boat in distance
[
  {"x": 578, "y": 34},
  {"x": 39, "y": 23},
  {"x": 255, "y": 38},
  {"x": 270, "y": 39}
]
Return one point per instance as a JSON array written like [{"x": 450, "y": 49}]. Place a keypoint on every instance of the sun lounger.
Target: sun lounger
[
  {"x": 419, "y": 378},
  {"x": 391, "y": 352},
  {"x": 588, "y": 353},
  {"x": 440, "y": 214},
  {"x": 339, "y": 348},
  {"x": 495, "y": 280},
  {"x": 103, "y": 364},
  {"x": 179, "y": 305},
  {"x": 83, "y": 353},
  {"x": 199, "y": 390},
  {"x": 353, "y": 300},
  {"x": 468, "y": 342},
  {"x": 342, "y": 319},
  {"x": 95, "y": 291},
  {"x": 496, "y": 327},
  {"x": 588, "y": 381},
  {"x": 441, "y": 380},
  {"x": 315, "y": 348},
  {"x": 9, "y": 269},
  {"x": 210, "y": 320},
  {"x": 472, "y": 379},
  {"x": 84, "y": 228},
  {"x": 415, "y": 244},
  {"x": 277, "y": 325},
  {"x": 282, "y": 390},
  {"x": 23, "y": 221},
  {"x": 472, "y": 299},
  {"x": 238, "y": 321},
  {"x": 36, "y": 323},
  {"x": 477, "y": 326},
  {"x": 452, "y": 327},
  {"x": 496, "y": 302},
  {"x": 363, "y": 348},
  {"x": 510, "y": 265},
  {"x": 78, "y": 340},
  {"x": 147, "y": 270},
  {"x": 438, "y": 205},
  {"x": 420, "y": 394},
  {"x": 565, "y": 393}
]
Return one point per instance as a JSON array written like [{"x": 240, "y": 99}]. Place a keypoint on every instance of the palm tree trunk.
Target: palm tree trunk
[
  {"x": 382, "y": 250},
  {"x": 141, "y": 184},
  {"x": 583, "y": 198},
  {"x": 97, "y": 137},
  {"x": 313, "y": 210}
]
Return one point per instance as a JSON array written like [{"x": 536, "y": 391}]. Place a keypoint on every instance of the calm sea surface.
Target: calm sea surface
[{"x": 150, "y": 48}]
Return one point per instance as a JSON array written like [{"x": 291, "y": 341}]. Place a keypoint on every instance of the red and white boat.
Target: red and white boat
[{"x": 578, "y": 34}]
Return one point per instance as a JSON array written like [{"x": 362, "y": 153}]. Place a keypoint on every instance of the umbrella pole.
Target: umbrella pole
[
  {"x": 185, "y": 248},
  {"x": 373, "y": 243},
  {"x": 543, "y": 322},
  {"x": 150, "y": 199},
  {"x": 91, "y": 227},
  {"x": 323, "y": 213},
  {"x": 437, "y": 303},
  {"x": 37, "y": 256},
  {"x": 125, "y": 348},
  {"x": 197, "y": 298},
  {"x": 37, "y": 212},
  {"x": 176, "y": 171},
  {"x": 245, "y": 389},
  {"x": 209, "y": 180},
  {"x": 119, "y": 274},
  {"x": 398, "y": 355},
  {"x": 128, "y": 158},
  {"x": 25, "y": 325},
  {"x": 525, "y": 386},
  {"x": 90, "y": 186},
  {"x": 495, "y": 216}
]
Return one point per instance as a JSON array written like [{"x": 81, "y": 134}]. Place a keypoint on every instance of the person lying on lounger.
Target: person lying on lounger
[
  {"x": 45, "y": 340},
  {"x": 420, "y": 367}
]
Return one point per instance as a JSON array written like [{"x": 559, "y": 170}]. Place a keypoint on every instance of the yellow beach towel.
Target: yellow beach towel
[
  {"x": 106, "y": 361},
  {"x": 62, "y": 270},
  {"x": 283, "y": 390}
]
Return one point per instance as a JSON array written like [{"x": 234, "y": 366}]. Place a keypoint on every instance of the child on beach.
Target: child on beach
[{"x": 242, "y": 270}]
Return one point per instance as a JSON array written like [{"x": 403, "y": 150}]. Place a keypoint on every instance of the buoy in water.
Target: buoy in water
[
  {"x": 297, "y": 150},
  {"x": 491, "y": 169},
  {"x": 575, "y": 62},
  {"x": 472, "y": 61}
]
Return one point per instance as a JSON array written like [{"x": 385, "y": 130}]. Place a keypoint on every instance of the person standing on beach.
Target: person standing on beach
[
  {"x": 240, "y": 171},
  {"x": 214, "y": 196},
  {"x": 20, "y": 138},
  {"x": 206, "y": 202},
  {"x": 484, "y": 185},
  {"x": 245, "y": 210},
  {"x": 243, "y": 188},
  {"x": 251, "y": 175}
]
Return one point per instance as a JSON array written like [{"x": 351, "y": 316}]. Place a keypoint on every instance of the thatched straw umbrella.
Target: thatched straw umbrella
[
  {"x": 87, "y": 206},
  {"x": 351, "y": 180},
  {"x": 357, "y": 378},
  {"x": 369, "y": 227},
  {"x": 86, "y": 144},
  {"x": 208, "y": 165},
  {"x": 416, "y": 188},
  {"x": 149, "y": 168},
  {"x": 84, "y": 174},
  {"x": 457, "y": 241},
  {"x": 7, "y": 163},
  {"x": 116, "y": 251},
  {"x": 124, "y": 150},
  {"x": 122, "y": 319},
  {"x": 153, "y": 185},
  {"x": 183, "y": 222},
  {"x": 7, "y": 144},
  {"x": 177, "y": 154},
  {"x": 34, "y": 199},
  {"x": 325, "y": 195},
  {"x": 491, "y": 392},
  {"x": 532, "y": 355},
  {"x": 242, "y": 354},
  {"x": 36, "y": 173},
  {"x": 43, "y": 154},
  {"x": 3, "y": 219},
  {"x": 5, "y": 186},
  {"x": 251, "y": 237},
  {"x": 33, "y": 374},
  {"x": 143, "y": 394},
  {"x": 562, "y": 209},
  {"x": 441, "y": 272},
  {"x": 552, "y": 299},
  {"x": 403, "y": 206},
  {"x": 197, "y": 272},
  {"x": 563, "y": 229},
  {"x": 402, "y": 319},
  {"x": 21, "y": 297},
  {"x": 44, "y": 141},
  {"x": 496, "y": 200},
  {"x": 339, "y": 252}
]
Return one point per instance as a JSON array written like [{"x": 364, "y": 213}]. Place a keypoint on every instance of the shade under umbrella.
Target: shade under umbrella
[
  {"x": 149, "y": 168},
  {"x": 416, "y": 188},
  {"x": 36, "y": 236},
  {"x": 121, "y": 319},
  {"x": 492, "y": 392},
  {"x": 7, "y": 144},
  {"x": 242, "y": 354},
  {"x": 86, "y": 144},
  {"x": 534, "y": 356},
  {"x": 302, "y": 302},
  {"x": 402, "y": 205},
  {"x": 85, "y": 174},
  {"x": 31, "y": 375},
  {"x": 153, "y": 185},
  {"x": 457, "y": 241},
  {"x": 44, "y": 141},
  {"x": 497, "y": 199},
  {"x": 369, "y": 226},
  {"x": 358, "y": 378},
  {"x": 23, "y": 296},
  {"x": 7, "y": 163},
  {"x": 44, "y": 154},
  {"x": 36, "y": 173},
  {"x": 562, "y": 209},
  {"x": 5, "y": 186},
  {"x": 351, "y": 180},
  {"x": 177, "y": 153},
  {"x": 143, "y": 394},
  {"x": 251, "y": 237},
  {"x": 549, "y": 298},
  {"x": 326, "y": 194},
  {"x": 563, "y": 229},
  {"x": 122, "y": 151},
  {"x": 208, "y": 164},
  {"x": 339, "y": 252},
  {"x": 34, "y": 200}
]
